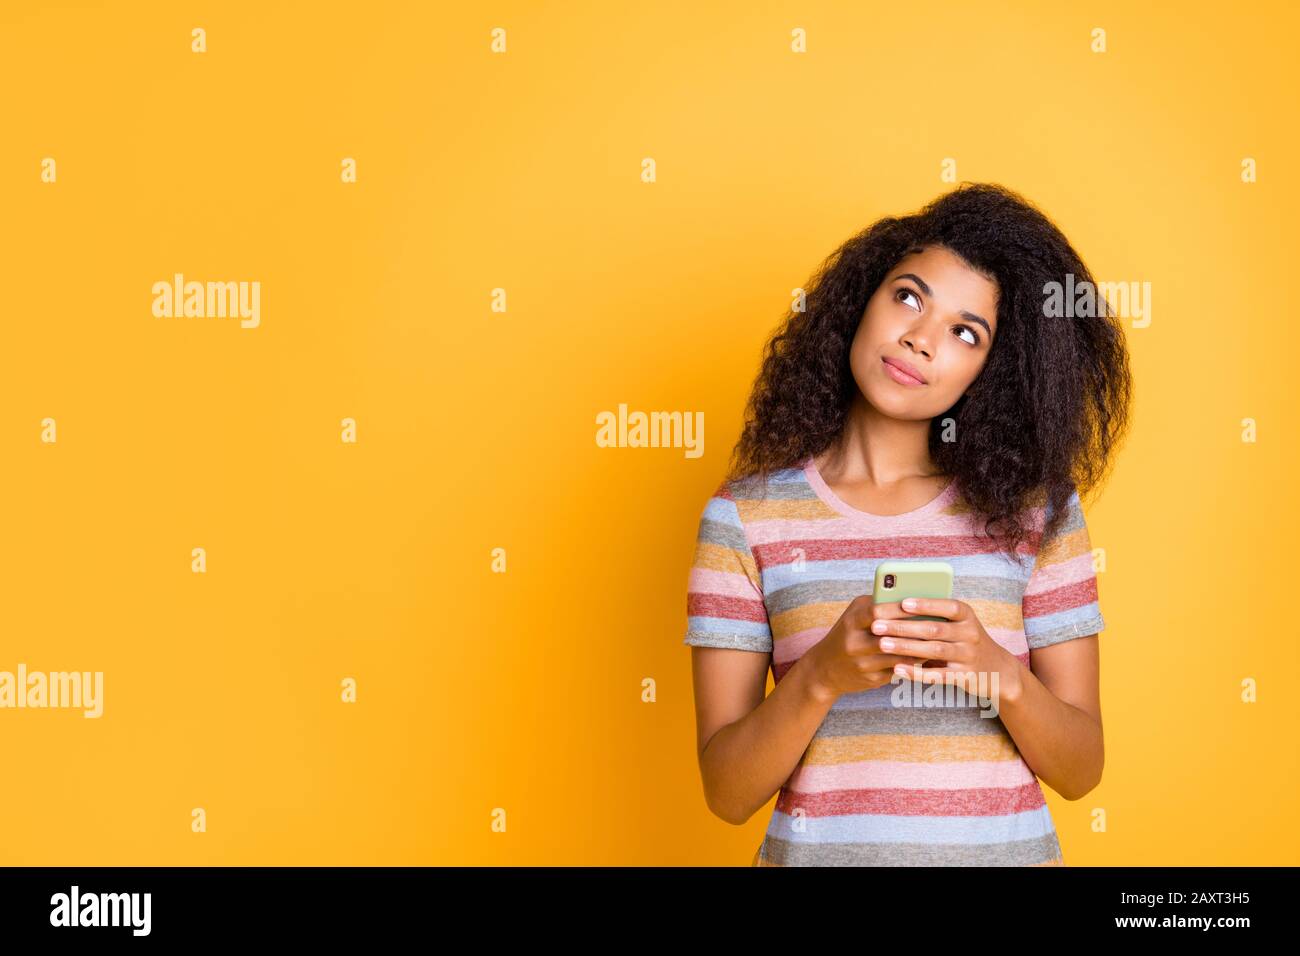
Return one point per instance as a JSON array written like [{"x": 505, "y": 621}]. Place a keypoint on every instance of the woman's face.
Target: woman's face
[{"x": 934, "y": 316}]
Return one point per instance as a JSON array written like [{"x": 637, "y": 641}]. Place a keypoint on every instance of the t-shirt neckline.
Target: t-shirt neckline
[{"x": 829, "y": 497}]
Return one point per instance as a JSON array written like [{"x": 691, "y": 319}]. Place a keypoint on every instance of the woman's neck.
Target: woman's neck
[{"x": 879, "y": 450}]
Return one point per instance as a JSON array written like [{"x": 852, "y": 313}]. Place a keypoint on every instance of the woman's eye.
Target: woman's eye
[
  {"x": 973, "y": 340},
  {"x": 903, "y": 292}
]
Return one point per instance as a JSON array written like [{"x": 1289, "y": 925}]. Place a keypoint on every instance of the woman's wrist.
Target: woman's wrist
[
  {"x": 1011, "y": 683},
  {"x": 811, "y": 685}
]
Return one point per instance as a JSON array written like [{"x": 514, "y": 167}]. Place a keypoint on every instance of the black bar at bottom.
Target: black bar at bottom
[{"x": 579, "y": 904}]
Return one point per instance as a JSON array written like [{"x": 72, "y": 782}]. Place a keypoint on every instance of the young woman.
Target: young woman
[{"x": 928, "y": 403}]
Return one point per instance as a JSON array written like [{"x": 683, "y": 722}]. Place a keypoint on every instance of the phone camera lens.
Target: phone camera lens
[{"x": 889, "y": 580}]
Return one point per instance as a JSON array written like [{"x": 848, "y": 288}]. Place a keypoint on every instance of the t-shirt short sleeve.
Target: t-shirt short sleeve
[
  {"x": 1060, "y": 601},
  {"x": 724, "y": 595}
]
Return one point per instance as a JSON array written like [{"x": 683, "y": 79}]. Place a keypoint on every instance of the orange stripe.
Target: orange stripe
[{"x": 931, "y": 749}]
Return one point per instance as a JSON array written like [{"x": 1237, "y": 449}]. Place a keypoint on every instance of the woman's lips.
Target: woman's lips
[{"x": 899, "y": 376}]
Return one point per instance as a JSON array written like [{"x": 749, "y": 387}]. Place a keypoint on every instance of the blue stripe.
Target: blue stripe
[
  {"x": 784, "y": 575},
  {"x": 722, "y": 511},
  {"x": 872, "y": 828},
  {"x": 1050, "y": 622},
  {"x": 726, "y": 625}
]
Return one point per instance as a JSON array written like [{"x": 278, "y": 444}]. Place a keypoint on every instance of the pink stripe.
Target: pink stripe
[
  {"x": 726, "y": 583},
  {"x": 1052, "y": 576},
  {"x": 818, "y": 778},
  {"x": 975, "y": 801},
  {"x": 1009, "y": 639},
  {"x": 769, "y": 530},
  {"x": 791, "y": 647}
]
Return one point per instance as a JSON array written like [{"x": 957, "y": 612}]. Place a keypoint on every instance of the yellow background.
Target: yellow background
[{"x": 476, "y": 428}]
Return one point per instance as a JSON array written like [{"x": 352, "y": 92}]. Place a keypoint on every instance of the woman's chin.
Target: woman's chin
[{"x": 901, "y": 407}]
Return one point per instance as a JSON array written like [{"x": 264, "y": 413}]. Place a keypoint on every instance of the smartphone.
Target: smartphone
[{"x": 896, "y": 580}]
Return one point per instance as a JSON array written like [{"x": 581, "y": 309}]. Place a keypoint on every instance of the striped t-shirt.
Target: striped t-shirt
[{"x": 883, "y": 784}]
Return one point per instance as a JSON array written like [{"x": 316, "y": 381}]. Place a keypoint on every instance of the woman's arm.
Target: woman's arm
[
  {"x": 1054, "y": 716},
  {"x": 750, "y": 744}
]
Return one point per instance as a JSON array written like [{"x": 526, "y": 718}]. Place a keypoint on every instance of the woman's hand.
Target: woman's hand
[
  {"x": 848, "y": 659},
  {"x": 959, "y": 642}
]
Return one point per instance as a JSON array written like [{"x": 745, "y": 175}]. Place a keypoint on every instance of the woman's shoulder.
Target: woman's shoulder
[
  {"x": 776, "y": 483},
  {"x": 1054, "y": 521}
]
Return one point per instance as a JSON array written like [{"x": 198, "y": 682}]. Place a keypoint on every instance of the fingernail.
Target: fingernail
[
  {"x": 879, "y": 626},
  {"x": 886, "y": 644},
  {"x": 909, "y": 604}
]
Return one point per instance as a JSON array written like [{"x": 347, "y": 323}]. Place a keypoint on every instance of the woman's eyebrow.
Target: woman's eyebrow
[
  {"x": 968, "y": 316},
  {"x": 917, "y": 279}
]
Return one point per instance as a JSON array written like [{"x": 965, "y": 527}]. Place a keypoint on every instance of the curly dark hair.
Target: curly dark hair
[{"x": 1041, "y": 420}]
